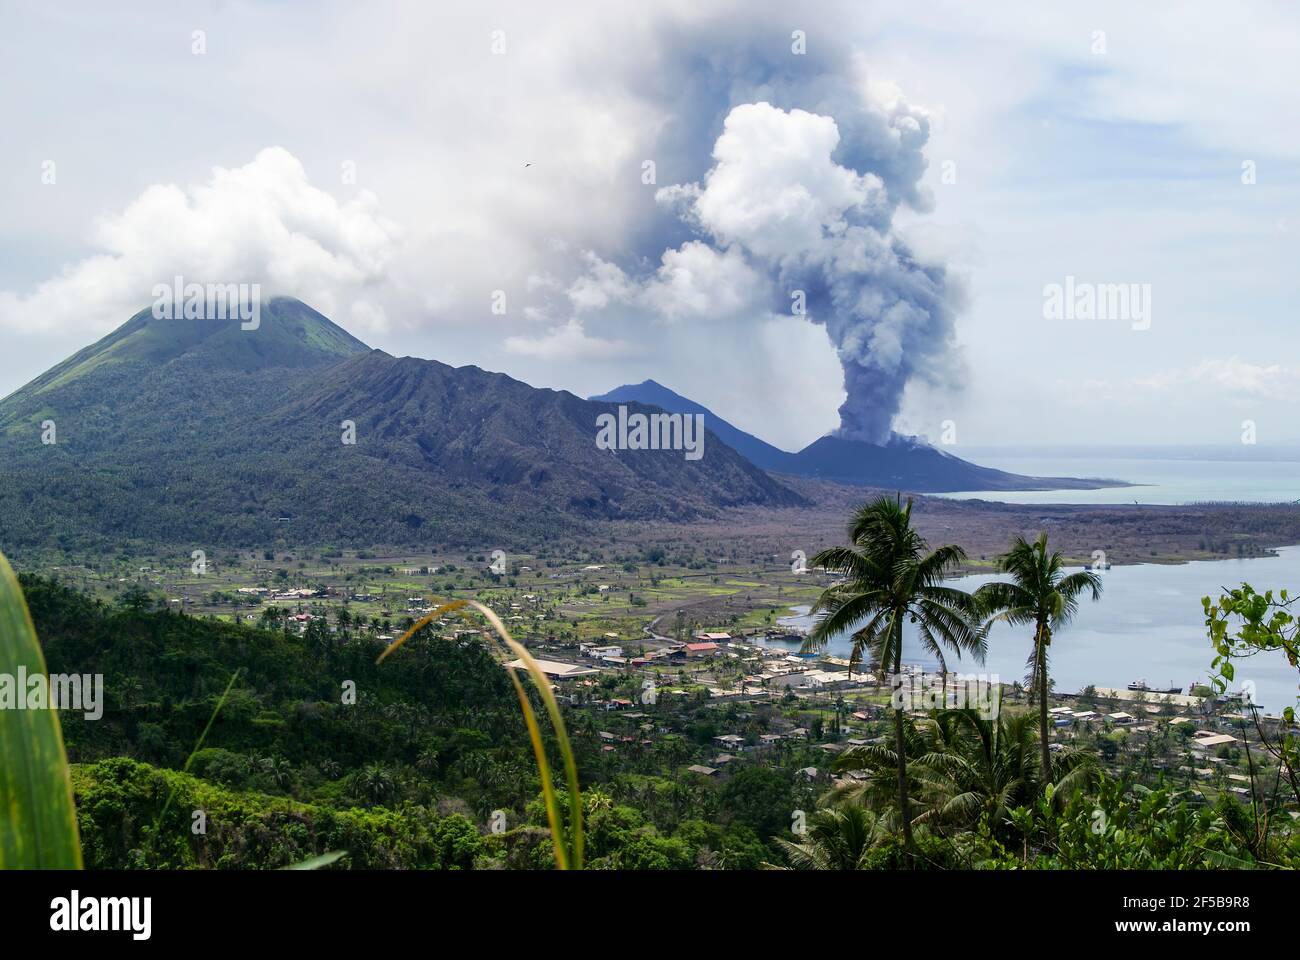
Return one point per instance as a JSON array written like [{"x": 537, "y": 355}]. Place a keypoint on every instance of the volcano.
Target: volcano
[{"x": 902, "y": 463}]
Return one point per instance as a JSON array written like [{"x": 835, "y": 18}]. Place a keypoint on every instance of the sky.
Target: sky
[{"x": 831, "y": 217}]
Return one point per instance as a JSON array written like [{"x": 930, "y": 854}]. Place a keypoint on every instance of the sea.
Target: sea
[{"x": 1174, "y": 476}]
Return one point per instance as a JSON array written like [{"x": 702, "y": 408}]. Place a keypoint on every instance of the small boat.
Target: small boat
[{"x": 1141, "y": 686}]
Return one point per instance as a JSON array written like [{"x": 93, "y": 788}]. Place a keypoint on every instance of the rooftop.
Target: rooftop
[
  {"x": 1205, "y": 739},
  {"x": 557, "y": 669}
]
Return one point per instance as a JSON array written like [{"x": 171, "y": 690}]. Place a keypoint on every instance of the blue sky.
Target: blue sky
[{"x": 1114, "y": 165}]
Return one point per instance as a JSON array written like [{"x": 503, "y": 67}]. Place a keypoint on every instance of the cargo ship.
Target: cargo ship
[{"x": 1141, "y": 686}]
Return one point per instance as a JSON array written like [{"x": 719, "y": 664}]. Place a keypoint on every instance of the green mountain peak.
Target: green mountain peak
[{"x": 288, "y": 334}]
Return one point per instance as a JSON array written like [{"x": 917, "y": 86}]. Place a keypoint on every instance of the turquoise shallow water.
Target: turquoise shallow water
[
  {"x": 1147, "y": 625},
  {"x": 1164, "y": 481}
]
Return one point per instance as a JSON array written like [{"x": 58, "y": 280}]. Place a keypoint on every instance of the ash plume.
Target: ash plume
[{"x": 810, "y": 161}]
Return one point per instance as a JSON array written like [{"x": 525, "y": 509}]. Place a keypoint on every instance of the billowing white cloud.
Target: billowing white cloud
[
  {"x": 693, "y": 282},
  {"x": 260, "y": 223},
  {"x": 568, "y": 341},
  {"x": 698, "y": 282},
  {"x": 775, "y": 188},
  {"x": 603, "y": 283}
]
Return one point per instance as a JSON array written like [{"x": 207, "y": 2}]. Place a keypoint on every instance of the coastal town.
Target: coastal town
[{"x": 702, "y": 660}]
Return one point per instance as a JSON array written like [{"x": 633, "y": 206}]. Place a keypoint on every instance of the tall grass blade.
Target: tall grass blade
[
  {"x": 316, "y": 862},
  {"x": 564, "y": 858},
  {"x": 544, "y": 774},
  {"x": 38, "y": 821},
  {"x": 193, "y": 753}
]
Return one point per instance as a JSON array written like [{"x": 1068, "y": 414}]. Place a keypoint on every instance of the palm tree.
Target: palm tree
[
  {"x": 888, "y": 577},
  {"x": 279, "y": 771},
  {"x": 1038, "y": 593},
  {"x": 838, "y": 838},
  {"x": 964, "y": 767},
  {"x": 878, "y": 788},
  {"x": 130, "y": 691},
  {"x": 374, "y": 783},
  {"x": 985, "y": 767}
]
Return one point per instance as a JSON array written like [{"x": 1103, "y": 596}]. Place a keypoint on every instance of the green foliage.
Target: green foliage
[
  {"x": 441, "y": 719},
  {"x": 37, "y": 828},
  {"x": 1262, "y": 624},
  {"x": 1242, "y": 624},
  {"x": 759, "y": 798},
  {"x": 1133, "y": 829},
  {"x": 119, "y": 800}
]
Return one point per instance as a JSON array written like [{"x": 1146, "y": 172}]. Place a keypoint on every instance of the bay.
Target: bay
[{"x": 1148, "y": 624}]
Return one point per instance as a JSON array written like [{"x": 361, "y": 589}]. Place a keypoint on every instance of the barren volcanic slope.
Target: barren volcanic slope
[
  {"x": 174, "y": 431},
  {"x": 902, "y": 463}
]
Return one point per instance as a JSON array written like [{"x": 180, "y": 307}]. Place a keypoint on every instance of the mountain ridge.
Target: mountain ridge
[{"x": 211, "y": 435}]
